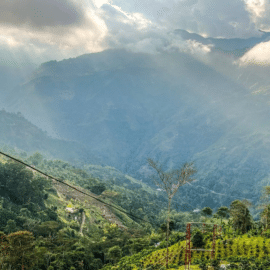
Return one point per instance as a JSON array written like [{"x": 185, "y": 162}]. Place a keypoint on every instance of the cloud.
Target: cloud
[
  {"x": 40, "y": 13},
  {"x": 189, "y": 46},
  {"x": 217, "y": 18},
  {"x": 256, "y": 7},
  {"x": 260, "y": 13},
  {"x": 259, "y": 55},
  {"x": 134, "y": 32},
  {"x": 129, "y": 30},
  {"x": 56, "y": 28},
  {"x": 99, "y": 3},
  {"x": 61, "y": 29}
]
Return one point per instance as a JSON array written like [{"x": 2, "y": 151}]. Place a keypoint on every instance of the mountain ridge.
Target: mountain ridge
[{"x": 133, "y": 107}]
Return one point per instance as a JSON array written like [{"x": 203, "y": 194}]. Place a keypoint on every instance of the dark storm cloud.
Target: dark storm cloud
[{"x": 40, "y": 13}]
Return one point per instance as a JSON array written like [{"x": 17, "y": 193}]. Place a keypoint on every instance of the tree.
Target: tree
[
  {"x": 265, "y": 205},
  {"x": 222, "y": 212},
  {"x": 24, "y": 212},
  {"x": 265, "y": 216},
  {"x": 170, "y": 181},
  {"x": 197, "y": 239},
  {"x": 48, "y": 228},
  {"x": 241, "y": 218},
  {"x": 98, "y": 188},
  {"x": 163, "y": 226},
  {"x": 36, "y": 159},
  {"x": 20, "y": 185},
  {"x": 21, "y": 250},
  {"x": 207, "y": 211},
  {"x": 115, "y": 253},
  {"x": 11, "y": 226}
]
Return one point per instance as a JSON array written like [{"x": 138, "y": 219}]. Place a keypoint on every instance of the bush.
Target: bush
[
  {"x": 98, "y": 189},
  {"x": 47, "y": 228},
  {"x": 198, "y": 240},
  {"x": 233, "y": 266},
  {"x": 172, "y": 266},
  {"x": 215, "y": 263},
  {"x": 203, "y": 265},
  {"x": 266, "y": 233},
  {"x": 155, "y": 267},
  {"x": 180, "y": 262}
]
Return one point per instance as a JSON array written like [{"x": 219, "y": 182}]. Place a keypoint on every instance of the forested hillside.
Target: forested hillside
[
  {"x": 124, "y": 107},
  {"x": 18, "y": 132},
  {"x": 59, "y": 227}
]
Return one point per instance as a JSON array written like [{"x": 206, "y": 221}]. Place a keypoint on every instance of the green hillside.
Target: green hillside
[
  {"x": 17, "y": 132},
  {"x": 61, "y": 228},
  {"x": 245, "y": 250},
  {"x": 53, "y": 219},
  {"x": 42, "y": 210}
]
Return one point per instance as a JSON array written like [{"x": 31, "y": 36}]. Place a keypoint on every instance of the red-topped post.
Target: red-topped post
[
  {"x": 214, "y": 243},
  {"x": 188, "y": 251}
]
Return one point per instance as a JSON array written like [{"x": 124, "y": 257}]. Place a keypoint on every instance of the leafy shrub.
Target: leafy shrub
[
  {"x": 203, "y": 264},
  {"x": 266, "y": 233},
  {"x": 215, "y": 263},
  {"x": 155, "y": 267},
  {"x": 198, "y": 239}
]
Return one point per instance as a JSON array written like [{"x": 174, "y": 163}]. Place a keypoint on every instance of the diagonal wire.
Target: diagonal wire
[
  {"x": 51, "y": 177},
  {"x": 129, "y": 214}
]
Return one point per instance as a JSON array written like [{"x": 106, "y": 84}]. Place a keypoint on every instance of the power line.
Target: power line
[
  {"x": 129, "y": 214},
  {"x": 51, "y": 177}
]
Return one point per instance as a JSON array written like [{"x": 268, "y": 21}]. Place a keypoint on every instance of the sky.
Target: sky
[{"x": 58, "y": 29}]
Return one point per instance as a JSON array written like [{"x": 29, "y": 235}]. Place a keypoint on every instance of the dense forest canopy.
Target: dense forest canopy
[{"x": 34, "y": 213}]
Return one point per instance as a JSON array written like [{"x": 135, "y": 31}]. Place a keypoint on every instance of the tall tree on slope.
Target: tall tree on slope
[
  {"x": 240, "y": 215},
  {"x": 170, "y": 182},
  {"x": 265, "y": 205}
]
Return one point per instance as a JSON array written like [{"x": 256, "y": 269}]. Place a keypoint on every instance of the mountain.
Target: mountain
[
  {"x": 235, "y": 46},
  {"x": 127, "y": 107},
  {"x": 18, "y": 132}
]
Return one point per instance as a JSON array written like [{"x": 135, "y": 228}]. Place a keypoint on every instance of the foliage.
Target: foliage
[
  {"x": 20, "y": 249},
  {"x": 207, "y": 211},
  {"x": 203, "y": 265},
  {"x": 54, "y": 242},
  {"x": 115, "y": 253},
  {"x": 98, "y": 188},
  {"x": 11, "y": 226},
  {"x": 198, "y": 239},
  {"x": 170, "y": 182},
  {"x": 240, "y": 216},
  {"x": 223, "y": 212}
]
